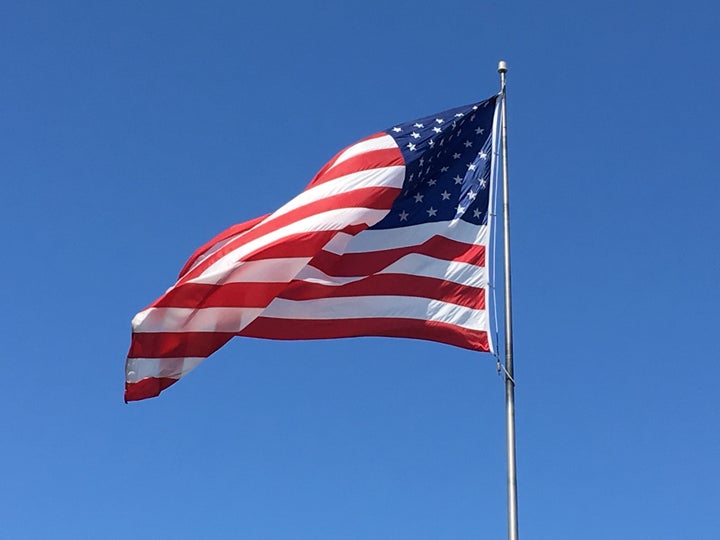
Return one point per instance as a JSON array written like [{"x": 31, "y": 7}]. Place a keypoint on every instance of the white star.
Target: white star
[
  {"x": 437, "y": 129},
  {"x": 472, "y": 118},
  {"x": 459, "y": 115},
  {"x": 431, "y": 212},
  {"x": 431, "y": 143},
  {"x": 422, "y": 161},
  {"x": 445, "y": 195},
  {"x": 458, "y": 179},
  {"x": 439, "y": 120},
  {"x": 472, "y": 195},
  {"x": 397, "y": 129},
  {"x": 456, "y": 156},
  {"x": 480, "y": 131},
  {"x": 482, "y": 155},
  {"x": 471, "y": 166},
  {"x": 474, "y": 109},
  {"x": 460, "y": 209},
  {"x": 411, "y": 146},
  {"x": 444, "y": 169},
  {"x": 477, "y": 213},
  {"x": 483, "y": 183},
  {"x": 432, "y": 182},
  {"x": 467, "y": 144},
  {"x": 418, "y": 125},
  {"x": 404, "y": 215},
  {"x": 418, "y": 197},
  {"x": 415, "y": 135}
]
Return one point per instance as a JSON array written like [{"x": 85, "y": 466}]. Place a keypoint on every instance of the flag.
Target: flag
[{"x": 390, "y": 238}]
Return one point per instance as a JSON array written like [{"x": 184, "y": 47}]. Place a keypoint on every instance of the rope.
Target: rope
[{"x": 494, "y": 242}]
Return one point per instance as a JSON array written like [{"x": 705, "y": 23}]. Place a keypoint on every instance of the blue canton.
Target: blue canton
[{"x": 447, "y": 159}]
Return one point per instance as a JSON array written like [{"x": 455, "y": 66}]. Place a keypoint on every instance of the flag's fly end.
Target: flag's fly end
[{"x": 147, "y": 388}]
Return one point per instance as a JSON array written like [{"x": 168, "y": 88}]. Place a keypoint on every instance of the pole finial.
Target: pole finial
[{"x": 502, "y": 66}]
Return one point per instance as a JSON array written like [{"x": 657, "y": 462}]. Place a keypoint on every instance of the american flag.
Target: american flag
[{"x": 389, "y": 239}]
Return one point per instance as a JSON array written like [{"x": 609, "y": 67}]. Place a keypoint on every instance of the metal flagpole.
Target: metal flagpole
[{"x": 509, "y": 374}]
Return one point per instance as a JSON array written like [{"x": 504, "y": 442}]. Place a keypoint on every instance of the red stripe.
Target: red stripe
[
  {"x": 289, "y": 329},
  {"x": 202, "y": 295},
  {"x": 391, "y": 285},
  {"x": 336, "y": 157},
  {"x": 147, "y": 388},
  {"x": 376, "y": 159},
  {"x": 320, "y": 177},
  {"x": 374, "y": 198},
  {"x": 177, "y": 344},
  {"x": 253, "y": 294},
  {"x": 301, "y": 244},
  {"x": 227, "y": 233},
  {"x": 367, "y": 263},
  {"x": 203, "y": 344}
]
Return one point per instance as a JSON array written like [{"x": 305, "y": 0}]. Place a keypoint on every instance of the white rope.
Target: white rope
[{"x": 494, "y": 242}]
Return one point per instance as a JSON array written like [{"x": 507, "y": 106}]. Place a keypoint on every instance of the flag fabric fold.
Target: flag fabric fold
[{"x": 390, "y": 238}]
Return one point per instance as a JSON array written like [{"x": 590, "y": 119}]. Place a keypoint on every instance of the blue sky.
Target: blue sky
[{"x": 133, "y": 132}]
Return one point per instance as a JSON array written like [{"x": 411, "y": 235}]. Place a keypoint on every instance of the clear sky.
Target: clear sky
[{"x": 132, "y": 132}]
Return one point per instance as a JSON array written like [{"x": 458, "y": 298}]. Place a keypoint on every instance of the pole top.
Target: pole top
[{"x": 502, "y": 66}]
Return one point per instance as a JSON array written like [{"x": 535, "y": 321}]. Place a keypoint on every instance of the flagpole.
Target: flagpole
[{"x": 509, "y": 372}]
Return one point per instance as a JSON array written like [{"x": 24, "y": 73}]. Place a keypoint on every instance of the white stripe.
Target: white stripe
[
  {"x": 379, "y": 239},
  {"x": 310, "y": 274},
  {"x": 287, "y": 269},
  {"x": 211, "y": 319},
  {"x": 391, "y": 177},
  {"x": 324, "y": 221},
  {"x": 234, "y": 319},
  {"x": 266, "y": 271},
  {"x": 362, "y": 307},
  {"x": 413, "y": 264},
  {"x": 378, "y": 143},
  {"x": 425, "y": 266},
  {"x": 137, "y": 369},
  {"x": 214, "y": 248}
]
